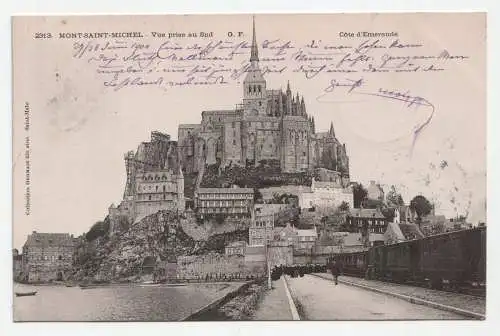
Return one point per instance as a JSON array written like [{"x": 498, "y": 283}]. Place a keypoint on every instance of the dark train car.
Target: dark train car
[
  {"x": 456, "y": 258},
  {"x": 398, "y": 261},
  {"x": 352, "y": 263}
]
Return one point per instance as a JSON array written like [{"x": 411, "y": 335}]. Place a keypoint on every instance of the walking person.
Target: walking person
[{"x": 335, "y": 268}]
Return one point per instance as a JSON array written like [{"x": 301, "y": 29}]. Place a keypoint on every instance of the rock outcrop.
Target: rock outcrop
[{"x": 149, "y": 245}]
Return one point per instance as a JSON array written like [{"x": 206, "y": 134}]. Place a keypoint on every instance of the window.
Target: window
[
  {"x": 234, "y": 142},
  {"x": 233, "y": 124}
]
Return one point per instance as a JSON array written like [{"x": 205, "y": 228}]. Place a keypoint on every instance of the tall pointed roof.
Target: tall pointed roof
[
  {"x": 254, "y": 54},
  {"x": 254, "y": 75},
  {"x": 332, "y": 131}
]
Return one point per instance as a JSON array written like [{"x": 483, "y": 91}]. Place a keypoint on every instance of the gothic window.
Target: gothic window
[
  {"x": 259, "y": 88},
  {"x": 156, "y": 188},
  {"x": 59, "y": 258},
  {"x": 260, "y": 103},
  {"x": 164, "y": 188},
  {"x": 234, "y": 142},
  {"x": 150, "y": 197}
]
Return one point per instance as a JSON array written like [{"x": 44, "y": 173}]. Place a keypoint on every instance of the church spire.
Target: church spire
[
  {"x": 254, "y": 54},
  {"x": 332, "y": 131}
]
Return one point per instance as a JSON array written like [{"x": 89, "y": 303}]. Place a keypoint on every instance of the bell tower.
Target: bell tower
[{"x": 254, "y": 85}]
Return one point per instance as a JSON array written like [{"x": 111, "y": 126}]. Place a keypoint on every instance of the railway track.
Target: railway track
[{"x": 475, "y": 292}]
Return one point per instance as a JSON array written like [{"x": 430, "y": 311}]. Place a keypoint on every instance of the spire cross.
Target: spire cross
[{"x": 254, "y": 54}]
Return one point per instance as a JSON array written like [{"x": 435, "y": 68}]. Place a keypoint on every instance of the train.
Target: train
[{"x": 453, "y": 259}]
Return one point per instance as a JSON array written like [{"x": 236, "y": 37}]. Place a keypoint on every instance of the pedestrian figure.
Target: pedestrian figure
[{"x": 335, "y": 268}]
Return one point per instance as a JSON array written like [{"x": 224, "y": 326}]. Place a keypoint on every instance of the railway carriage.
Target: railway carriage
[
  {"x": 353, "y": 263},
  {"x": 455, "y": 258}
]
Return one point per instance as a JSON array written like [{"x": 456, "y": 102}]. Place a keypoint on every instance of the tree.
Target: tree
[
  {"x": 344, "y": 206},
  {"x": 329, "y": 158},
  {"x": 394, "y": 198},
  {"x": 99, "y": 229},
  {"x": 421, "y": 206},
  {"x": 373, "y": 204},
  {"x": 360, "y": 194}
]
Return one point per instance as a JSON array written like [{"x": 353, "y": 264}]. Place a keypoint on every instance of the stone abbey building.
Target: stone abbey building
[
  {"x": 155, "y": 182},
  {"x": 269, "y": 125}
]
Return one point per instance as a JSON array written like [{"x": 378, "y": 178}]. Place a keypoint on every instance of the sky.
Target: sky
[{"x": 80, "y": 129}]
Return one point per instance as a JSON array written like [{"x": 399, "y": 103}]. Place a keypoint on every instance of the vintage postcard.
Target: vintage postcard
[{"x": 249, "y": 167}]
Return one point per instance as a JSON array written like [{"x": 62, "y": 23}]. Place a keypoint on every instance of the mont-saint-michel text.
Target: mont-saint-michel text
[{"x": 105, "y": 35}]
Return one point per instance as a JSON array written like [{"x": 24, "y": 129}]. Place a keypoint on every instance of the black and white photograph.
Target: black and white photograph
[{"x": 249, "y": 167}]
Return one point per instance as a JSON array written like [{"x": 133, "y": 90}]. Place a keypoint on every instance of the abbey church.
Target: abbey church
[{"x": 269, "y": 125}]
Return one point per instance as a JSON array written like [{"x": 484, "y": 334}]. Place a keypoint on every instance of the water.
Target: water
[{"x": 115, "y": 303}]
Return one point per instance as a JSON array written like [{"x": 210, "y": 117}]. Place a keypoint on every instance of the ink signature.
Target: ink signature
[{"x": 358, "y": 87}]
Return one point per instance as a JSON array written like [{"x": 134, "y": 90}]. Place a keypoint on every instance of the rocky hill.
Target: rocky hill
[{"x": 157, "y": 239}]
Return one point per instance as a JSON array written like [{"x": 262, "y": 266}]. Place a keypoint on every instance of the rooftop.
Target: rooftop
[
  {"x": 307, "y": 233},
  {"x": 49, "y": 239},
  {"x": 225, "y": 191},
  {"x": 240, "y": 243},
  {"x": 362, "y": 212}
]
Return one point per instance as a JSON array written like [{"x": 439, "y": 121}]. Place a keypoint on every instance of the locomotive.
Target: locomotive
[{"x": 454, "y": 259}]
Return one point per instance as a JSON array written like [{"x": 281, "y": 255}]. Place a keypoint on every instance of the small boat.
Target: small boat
[
  {"x": 26, "y": 294},
  {"x": 149, "y": 285},
  {"x": 88, "y": 287},
  {"x": 70, "y": 285},
  {"x": 176, "y": 285}
]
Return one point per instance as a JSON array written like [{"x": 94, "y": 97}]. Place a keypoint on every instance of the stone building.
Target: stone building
[
  {"x": 372, "y": 219},
  {"x": 17, "y": 264},
  {"x": 375, "y": 191},
  {"x": 155, "y": 181},
  {"x": 306, "y": 239},
  {"x": 326, "y": 195},
  {"x": 236, "y": 248},
  {"x": 48, "y": 256},
  {"x": 262, "y": 226},
  {"x": 269, "y": 124},
  {"x": 228, "y": 202}
]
